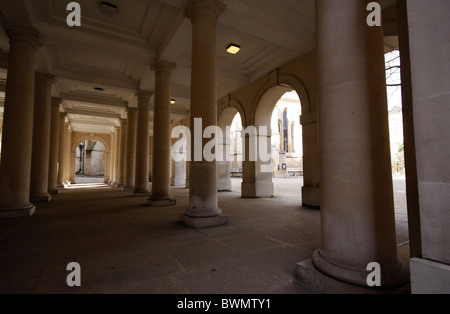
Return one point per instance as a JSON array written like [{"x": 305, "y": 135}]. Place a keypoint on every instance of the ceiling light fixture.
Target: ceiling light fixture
[
  {"x": 108, "y": 9},
  {"x": 233, "y": 49},
  {"x": 173, "y": 101},
  {"x": 99, "y": 89}
]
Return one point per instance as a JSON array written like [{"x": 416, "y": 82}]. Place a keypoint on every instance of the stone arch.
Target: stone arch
[
  {"x": 92, "y": 137},
  {"x": 77, "y": 138}
]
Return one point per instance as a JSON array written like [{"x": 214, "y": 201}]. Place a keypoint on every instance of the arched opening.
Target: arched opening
[
  {"x": 278, "y": 111},
  {"x": 90, "y": 162},
  {"x": 230, "y": 169}
]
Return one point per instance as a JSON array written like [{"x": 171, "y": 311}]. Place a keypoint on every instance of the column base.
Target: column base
[
  {"x": 161, "y": 201},
  {"x": 224, "y": 185},
  {"x": 20, "y": 211},
  {"x": 204, "y": 222},
  {"x": 128, "y": 189},
  {"x": 257, "y": 190},
  {"x": 53, "y": 192},
  {"x": 41, "y": 199},
  {"x": 308, "y": 275},
  {"x": 429, "y": 277},
  {"x": 393, "y": 275},
  {"x": 311, "y": 196},
  {"x": 141, "y": 193},
  {"x": 120, "y": 185}
]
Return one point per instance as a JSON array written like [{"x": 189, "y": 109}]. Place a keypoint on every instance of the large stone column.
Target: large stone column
[
  {"x": 130, "y": 159},
  {"x": 142, "y": 155},
  {"x": 61, "y": 150},
  {"x": 203, "y": 208},
  {"x": 428, "y": 26},
  {"x": 41, "y": 139},
  {"x": 17, "y": 137},
  {"x": 112, "y": 164},
  {"x": 116, "y": 156},
  {"x": 161, "y": 136},
  {"x": 54, "y": 147},
  {"x": 357, "y": 204},
  {"x": 122, "y": 153},
  {"x": 67, "y": 149}
]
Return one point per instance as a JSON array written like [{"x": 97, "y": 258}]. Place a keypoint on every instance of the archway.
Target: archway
[
  {"x": 231, "y": 165},
  {"x": 90, "y": 158}
]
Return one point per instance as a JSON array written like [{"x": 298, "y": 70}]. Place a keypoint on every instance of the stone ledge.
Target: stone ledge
[
  {"x": 41, "y": 199},
  {"x": 207, "y": 222},
  {"x": 429, "y": 277}
]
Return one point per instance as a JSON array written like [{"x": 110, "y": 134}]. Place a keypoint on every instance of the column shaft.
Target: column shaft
[
  {"x": 116, "y": 156},
  {"x": 17, "y": 137},
  {"x": 61, "y": 150},
  {"x": 203, "y": 208},
  {"x": 161, "y": 136},
  {"x": 41, "y": 139},
  {"x": 54, "y": 147},
  {"x": 122, "y": 153},
  {"x": 130, "y": 163},
  {"x": 358, "y": 223},
  {"x": 142, "y": 154}
]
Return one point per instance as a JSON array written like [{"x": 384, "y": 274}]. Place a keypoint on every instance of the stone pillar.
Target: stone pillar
[
  {"x": 150, "y": 158},
  {"x": 224, "y": 171},
  {"x": 143, "y": 133},
  {"x": 61, "y": 150},
  {"x": 67, "y": 149},
  {"x": 257, "y": 175},
  {"x": 17, "y": 137},
  {"x": 161, "y": 136},
  {"x": 122, "y": 154},
  {"x": 73, "y": 157},
  {"x": 357, "y": 203},
  {"x": 41, "y": 139},
  {"x": 112, "y": 163},
  {"x": 130, "y": 159},
  {"x": 430, "y": 75},
  {"x": 54, "y": 147},
  {"x": 116, "y": 156},
  {"x": 311, "y": 165},
  {"x": 203, "y": 208}
]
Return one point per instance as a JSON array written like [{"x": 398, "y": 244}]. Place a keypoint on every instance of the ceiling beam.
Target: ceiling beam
[
  {"x": 92, "y": 113},
  {"x": 94, "y": 100}
]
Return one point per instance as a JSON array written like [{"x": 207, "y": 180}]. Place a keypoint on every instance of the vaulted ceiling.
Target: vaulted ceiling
[{"x": 99, "y": 66}]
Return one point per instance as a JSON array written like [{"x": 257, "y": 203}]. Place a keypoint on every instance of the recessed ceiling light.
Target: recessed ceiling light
[
  {"x": 173, "y": 101},
  {"x": 233, "y": 49}
]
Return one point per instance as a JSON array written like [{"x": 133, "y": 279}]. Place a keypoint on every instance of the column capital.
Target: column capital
[
  {"x": 160, "y": 66},
  {"x": 57, "y": 101},
  {"x": 26, "y": 35},
  {"x": 142, "y": 94},
  {"x": 45, "y": 78},
  {"x": 197, "y": 8}
]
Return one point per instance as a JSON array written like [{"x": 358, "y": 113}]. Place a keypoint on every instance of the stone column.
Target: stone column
[
  {"x": 15, "y": 168},
  {"x": 311, "y": 165},
  {"x": 54, "y": 147},
  {"x": 357, "y": 204},
  {"x": 67, "y": 149},
  {"x": 122, "y": 153},
  {"x": 428, "y": 26},
  {"x": 150, "y": 161},
  {"x": 130, "y": 159},
  {"x": 41, "y": 139},
  {"x": 224, "y": 175},
  {"x": 61, "y": 150},
  {"x": 112, "y": 162},
  {"x": 143, "y": 132},
  {"x": 203, "y": 208},
  {"x": 161, "y": 136},
  {"x": 73, "y": 157},
  {"x": 116, "y": 156}
]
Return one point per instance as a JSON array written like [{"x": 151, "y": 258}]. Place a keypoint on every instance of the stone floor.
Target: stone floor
[{"x": 124, "y": 247}]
